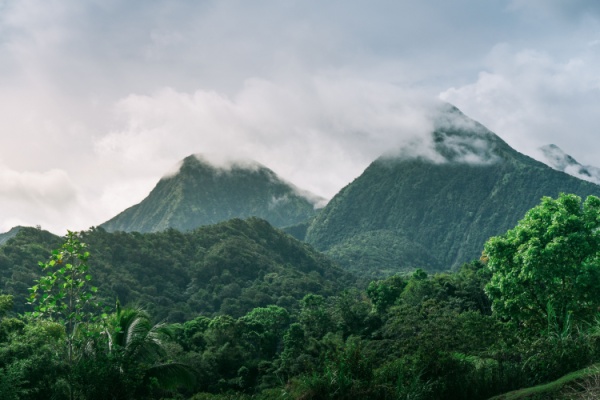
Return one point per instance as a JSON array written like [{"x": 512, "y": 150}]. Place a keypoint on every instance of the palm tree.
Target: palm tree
[{"x": 138, "y": 347}]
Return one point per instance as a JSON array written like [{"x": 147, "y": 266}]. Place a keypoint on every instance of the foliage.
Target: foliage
[
  {"x": 418, "y": 335},
  {"x": 384, "y": 293},
  {"x": 138, "y": 346},
  {"x": 61, "y": 351},
  {"x": 229, "y": 268},
  {"x": 62, "y": 294},
  {"x": 546, "y": 269}
]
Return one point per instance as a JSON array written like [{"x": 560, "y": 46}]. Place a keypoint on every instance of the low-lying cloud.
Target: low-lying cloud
[{"x": 319, "y": 133}]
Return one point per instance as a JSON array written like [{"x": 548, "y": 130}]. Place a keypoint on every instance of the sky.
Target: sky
[{"x": 100, "y": 98}]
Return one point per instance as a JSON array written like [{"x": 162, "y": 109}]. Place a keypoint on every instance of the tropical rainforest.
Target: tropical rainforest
[{"x": 241, "y": 310}]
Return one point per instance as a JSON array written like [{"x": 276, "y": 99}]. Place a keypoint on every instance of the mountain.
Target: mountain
[
  {"x": 4, "y": 237},
  {"x": 437, "y": 209},
  {"x": 556, "y": 158},
  {"x": 200, "y": 193},
  {"x": 231, "y": 268}
]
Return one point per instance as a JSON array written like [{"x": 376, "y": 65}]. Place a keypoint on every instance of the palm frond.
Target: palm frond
[{"x": 173, "y": 375}]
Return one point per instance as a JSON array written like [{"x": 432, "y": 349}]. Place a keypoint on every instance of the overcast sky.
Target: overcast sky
[{"x": 99, "y": 99}]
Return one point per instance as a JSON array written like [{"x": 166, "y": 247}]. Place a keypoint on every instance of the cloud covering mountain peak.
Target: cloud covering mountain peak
[
  {"x": 453, "y": 138},
  {"x": 557, "y": 159}
]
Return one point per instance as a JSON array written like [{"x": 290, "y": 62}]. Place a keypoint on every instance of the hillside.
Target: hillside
[
  {"x": 201, "y": 194},
  {"x": 231, "y": 267},
  {"x": 437, "y": 213}
]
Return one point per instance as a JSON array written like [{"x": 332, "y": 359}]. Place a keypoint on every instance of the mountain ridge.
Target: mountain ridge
[
  {"x": 200, "y": 193},
  {"x": 230, "y": 267}
]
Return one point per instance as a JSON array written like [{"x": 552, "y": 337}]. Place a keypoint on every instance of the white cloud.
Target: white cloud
[
  {"x": 531, "y": 99},
  {"x": 319, "y": 132},
  {"x": 44, "y": 198},
  {"x": 114, "y": 93}
]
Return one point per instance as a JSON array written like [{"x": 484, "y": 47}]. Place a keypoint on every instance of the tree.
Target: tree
[
  {"x": 64, "y": 293},
  {"x": 314, "y": 316},
  {"x": 385, "y": 292},
  {"x": 263, "y": 328},
  {"x": 65, "y": 296},
  {"x": 139, "y": 349},
  {"x": 547, "y": 268}
]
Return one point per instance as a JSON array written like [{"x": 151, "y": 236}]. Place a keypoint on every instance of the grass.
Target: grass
[{"x": 582, "y": 384}]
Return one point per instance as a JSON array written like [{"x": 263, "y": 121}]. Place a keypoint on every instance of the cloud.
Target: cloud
[
  {"x": 114, "y": 94},
  {"x": 319, "y": 132},
  {"x": 452, "y": 138},
  {"x": 53, "y": 186},
  {"x": 531, "y": 99},
  {"x": 32, "y": 198}
]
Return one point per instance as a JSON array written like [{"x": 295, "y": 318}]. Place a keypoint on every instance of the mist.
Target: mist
[{"x": 101, "y": 99}]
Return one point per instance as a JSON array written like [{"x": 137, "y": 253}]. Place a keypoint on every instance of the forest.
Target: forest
[{"x": 241, "y": 310}]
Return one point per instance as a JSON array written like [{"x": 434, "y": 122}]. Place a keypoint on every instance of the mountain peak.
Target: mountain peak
[
  {"x": 557, "y": 159},
  {"x": 409, "y": 212},
  {"x": 204, "y": 190},
  {"x": 216, "y": 164},
  {"x": 454, "y": 138}
]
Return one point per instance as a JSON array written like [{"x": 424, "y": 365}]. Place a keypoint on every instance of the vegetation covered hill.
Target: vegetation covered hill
[
  {"x": 405, "y": 212},
  {"x": 228, "y": 268},
  {"x": 202, "y": 194}
]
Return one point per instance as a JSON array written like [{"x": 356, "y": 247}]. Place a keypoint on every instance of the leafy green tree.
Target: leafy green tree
[
  {"x": 263, "y": 329},
  {"x": 7, "y": 324},
  {"x": 32, "y": 362},
  {"x": 64, "y": 293},
  {"x": 225, "y": 352},
  {"x": 547, "y": 268},
  {"x": 6, "y": 304},
  {"x": 294, "y": 344},
  {"x": 385, "y": 292},
  {"x": 314, "y": 316},
  {"x": 352, "y": 311}
]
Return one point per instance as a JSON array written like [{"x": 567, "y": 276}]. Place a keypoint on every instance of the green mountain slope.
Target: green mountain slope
[
  {"x": 436, "y": 213},
  {"x": 201, "y": 194},
  {"x": 4, "y": 237},
  {"x": 231, "y": 267}
]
